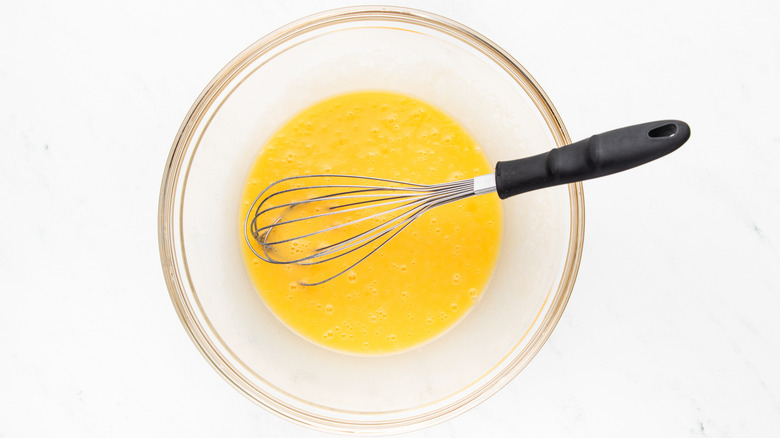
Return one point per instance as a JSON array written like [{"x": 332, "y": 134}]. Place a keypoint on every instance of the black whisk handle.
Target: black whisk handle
[{"x": 599, "y": 155}]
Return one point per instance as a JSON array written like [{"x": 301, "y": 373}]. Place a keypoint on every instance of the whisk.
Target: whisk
[{"x": 353, "y": 216}]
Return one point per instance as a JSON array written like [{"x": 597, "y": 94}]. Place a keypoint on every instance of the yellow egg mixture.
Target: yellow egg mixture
[{"x": 423, "y": 280}]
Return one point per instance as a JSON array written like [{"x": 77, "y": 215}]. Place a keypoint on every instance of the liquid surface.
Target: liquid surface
[{"x": 427, "y": 277}]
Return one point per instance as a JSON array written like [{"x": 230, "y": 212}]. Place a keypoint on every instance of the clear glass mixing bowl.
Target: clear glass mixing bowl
[{"x": 386, "y": 48}]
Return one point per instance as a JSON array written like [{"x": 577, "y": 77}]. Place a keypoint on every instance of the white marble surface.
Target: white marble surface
[{"x": 673, "y": 327}]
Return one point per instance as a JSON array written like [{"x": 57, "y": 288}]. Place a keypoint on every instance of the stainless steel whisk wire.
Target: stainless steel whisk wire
[{"x": 407, "y": 201}]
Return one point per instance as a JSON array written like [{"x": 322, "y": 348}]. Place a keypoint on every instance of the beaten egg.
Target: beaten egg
[{"x": 423, "y": 280}]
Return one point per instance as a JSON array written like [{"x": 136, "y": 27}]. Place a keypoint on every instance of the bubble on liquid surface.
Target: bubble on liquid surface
[{"x": 456, "y": 278}]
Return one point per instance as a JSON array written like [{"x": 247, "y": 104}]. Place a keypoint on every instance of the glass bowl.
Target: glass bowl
[{"x": 386, "y": 48}]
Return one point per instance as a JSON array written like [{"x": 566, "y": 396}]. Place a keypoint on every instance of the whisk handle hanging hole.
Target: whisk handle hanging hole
[{"x": 599, "y": 155}]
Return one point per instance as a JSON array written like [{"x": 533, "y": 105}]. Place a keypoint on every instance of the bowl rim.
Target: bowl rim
[{"x": 204, "y": 338}]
